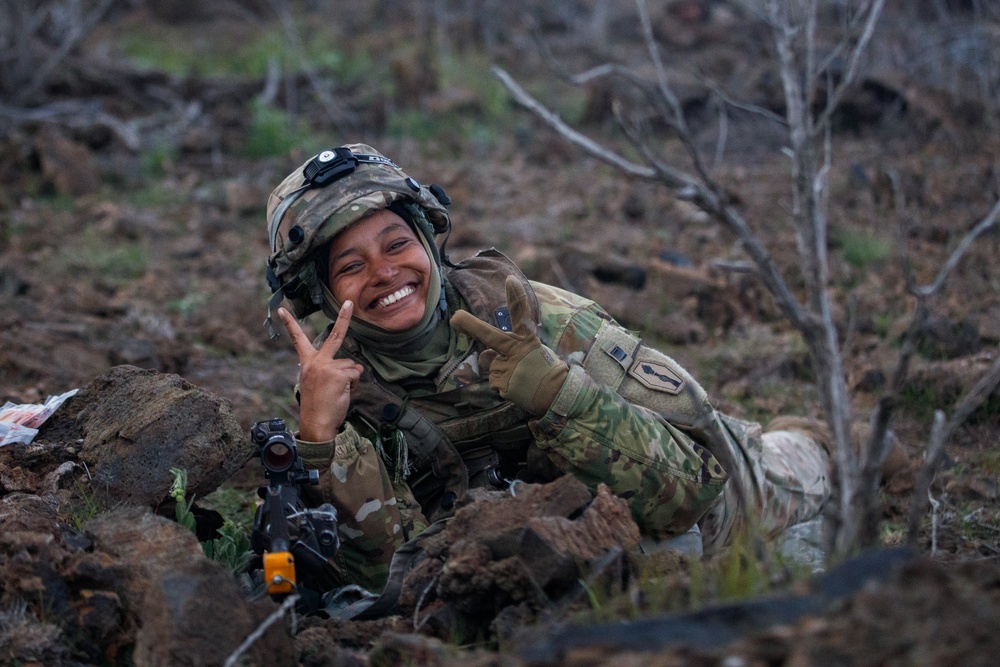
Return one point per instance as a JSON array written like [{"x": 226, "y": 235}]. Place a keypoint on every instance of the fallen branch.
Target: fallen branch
[{"x": 289, "y": 603}]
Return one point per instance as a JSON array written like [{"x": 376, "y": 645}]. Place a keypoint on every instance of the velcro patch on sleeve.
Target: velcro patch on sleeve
[{"x": 656, "y": 376}]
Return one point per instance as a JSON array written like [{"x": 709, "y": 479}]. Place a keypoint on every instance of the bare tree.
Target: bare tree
[{"x": 813, "y": 87}]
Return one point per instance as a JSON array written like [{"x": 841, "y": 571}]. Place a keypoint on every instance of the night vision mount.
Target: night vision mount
[{"x": 333, "y": 164}]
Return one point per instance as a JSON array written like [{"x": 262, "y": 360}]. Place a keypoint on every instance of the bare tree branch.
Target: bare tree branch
[
  {"x": 872, "y": 15},
  {"x": 589, "y": 146},
  {"x": 969, "y": 403},
  {"x": 79, "y": 30},
  {"x": 78, "y": 113},
  {"x": 276, "y": 615},
  {"x": 963, "y": 247},
  {"x": 795, "y": 30},
  {"x": 337, "y": 114}
]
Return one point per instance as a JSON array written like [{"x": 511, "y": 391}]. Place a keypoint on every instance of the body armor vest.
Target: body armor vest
[{"x": 460, "y": 438}]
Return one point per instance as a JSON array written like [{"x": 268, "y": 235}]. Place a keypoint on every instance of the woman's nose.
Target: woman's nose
[{"x": 385, "y": 269}]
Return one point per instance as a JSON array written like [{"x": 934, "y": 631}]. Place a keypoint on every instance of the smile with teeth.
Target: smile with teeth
[{"x": 395, "y": 296}]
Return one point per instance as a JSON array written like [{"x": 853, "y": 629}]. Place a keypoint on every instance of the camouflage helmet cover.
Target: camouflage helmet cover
[{"x": 314, "y": 215}]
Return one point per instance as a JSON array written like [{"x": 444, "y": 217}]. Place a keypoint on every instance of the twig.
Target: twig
[
  {"x": 336, "y": 112},
  {"x": 932, "y": 461},
  {"x": 289, "y": 603},
  {"x": 878, "y": 447},
  {"x": 963, "y": 247},
  {"x": 833, "y": 100},
  {"x": 941, "y": 432},
  {"x": 590, "y": 146},
  {"x": 79, "y": 31},
  {"x": 77, "y": 113},
  {"x": 417, "y": 621},
  {"x": 736, "y": 266}
]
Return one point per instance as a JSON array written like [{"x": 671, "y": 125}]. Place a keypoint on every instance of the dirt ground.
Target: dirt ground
[{"x": 110, "y": 256}]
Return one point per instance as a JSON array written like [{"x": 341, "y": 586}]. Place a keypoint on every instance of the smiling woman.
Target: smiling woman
[
  {"x": 380, "y": 265},
  {"x": 434, "y": 378}
]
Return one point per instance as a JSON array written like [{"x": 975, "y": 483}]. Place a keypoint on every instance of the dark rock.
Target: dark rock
[
  {"x": 139, "y": 424},
  {"x": 197, "y": 616},
  {"x": 189, "y": 609},
  {"x": 946, "y": 338},
  {"x": 69, "y": 166},
  {"x": 27, "y": 513},
  {"x": 869, "y": 379},
  {"x": 524, "y": 550}
]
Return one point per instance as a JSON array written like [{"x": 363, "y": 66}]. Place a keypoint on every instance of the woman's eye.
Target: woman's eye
[
  {"x": 349, "y": 268},
  {"x": 396, "y": 245}
]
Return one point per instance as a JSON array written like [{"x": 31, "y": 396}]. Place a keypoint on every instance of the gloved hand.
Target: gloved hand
[{"x": 523, "y": 370}]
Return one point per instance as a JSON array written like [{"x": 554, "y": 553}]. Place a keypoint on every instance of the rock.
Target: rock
[
  {"x": 139, "y": 424},
  {"x": 189, "y": 609},
  {"x": 938, "y": 384},
  {"x": 945, "y": 338},
  {"x": 70, "y": 166},
  {"x": 242, "y": 197},
  {"x": 197, "y": 616},
  {"x": 22, "y": 512},
  {"x": 528, "y": 549}
]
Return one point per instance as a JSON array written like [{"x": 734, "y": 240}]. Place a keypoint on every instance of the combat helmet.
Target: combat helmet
[{"x": 325, "y": 195}]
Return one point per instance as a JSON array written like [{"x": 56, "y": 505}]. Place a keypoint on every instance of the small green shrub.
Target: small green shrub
[
  {"x": 85, "y": 506},
  {"x": 863, "y": 248},
  {"x": 177, "y": 491},
  {"x": 155, "y": 159},
  {"x": 113, "y": 259},
  {"x": 273, "y": 132},
  {"x": 231, "y": 549}
]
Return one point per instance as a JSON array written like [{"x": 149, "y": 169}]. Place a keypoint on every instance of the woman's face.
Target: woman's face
[{"x": 381, "y": 265}]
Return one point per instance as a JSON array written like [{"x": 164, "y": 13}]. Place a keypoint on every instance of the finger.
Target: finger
[
  {"x": 520, "y": 309},
  {"x": 467, "y": 323},
  {"x": 299, "y": 338},
  {"x": 336, "y": 338}
]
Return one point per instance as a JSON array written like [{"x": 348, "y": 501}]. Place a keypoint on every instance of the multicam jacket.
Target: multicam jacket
[{"x": 387, "y": 491}]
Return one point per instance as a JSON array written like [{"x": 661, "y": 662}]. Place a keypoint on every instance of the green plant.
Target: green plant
[
  {"x": 273, "y": 132},
  {"x": 863, "y": 248},
  {"x": 893, "y": 533},
  {"x": 189, "y": 304},
  {"x": 741, "y": 574},
  {"x": 177, "y": 491},
  {"x": 155, "y": 159},
  {"x": 85, "y": 505},
  {"x": 113, "y": 259},
  {"x": 231, "y": 548}
]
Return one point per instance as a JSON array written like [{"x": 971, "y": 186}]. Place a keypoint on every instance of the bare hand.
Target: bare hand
[{"x": 325, "y": 383}]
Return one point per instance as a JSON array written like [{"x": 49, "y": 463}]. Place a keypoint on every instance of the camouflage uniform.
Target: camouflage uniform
[
  {"x": 626, "y": 415},
  {"x": 669, "y": 478}
]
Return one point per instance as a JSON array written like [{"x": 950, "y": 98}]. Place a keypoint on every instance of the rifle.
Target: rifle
[{"x": 295, "y": 543}]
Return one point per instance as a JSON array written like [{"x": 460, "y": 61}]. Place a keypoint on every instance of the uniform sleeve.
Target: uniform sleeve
[
  {"x": 375, "y": 516},
  {"x": 594, "y": 433}
]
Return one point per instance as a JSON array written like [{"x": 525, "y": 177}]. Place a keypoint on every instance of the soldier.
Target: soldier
[{"x": 435, "y": 377}]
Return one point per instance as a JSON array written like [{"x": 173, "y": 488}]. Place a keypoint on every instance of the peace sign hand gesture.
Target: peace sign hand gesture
[
  {"x": 325, "y": 383},
  {"x": 523, "y": 370}
]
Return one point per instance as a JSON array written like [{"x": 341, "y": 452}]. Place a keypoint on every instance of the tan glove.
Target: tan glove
[{"x": 524, "y": 371}]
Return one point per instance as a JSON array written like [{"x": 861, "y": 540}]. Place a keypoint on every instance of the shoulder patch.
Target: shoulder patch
[{"x": 656, "y": 376}]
